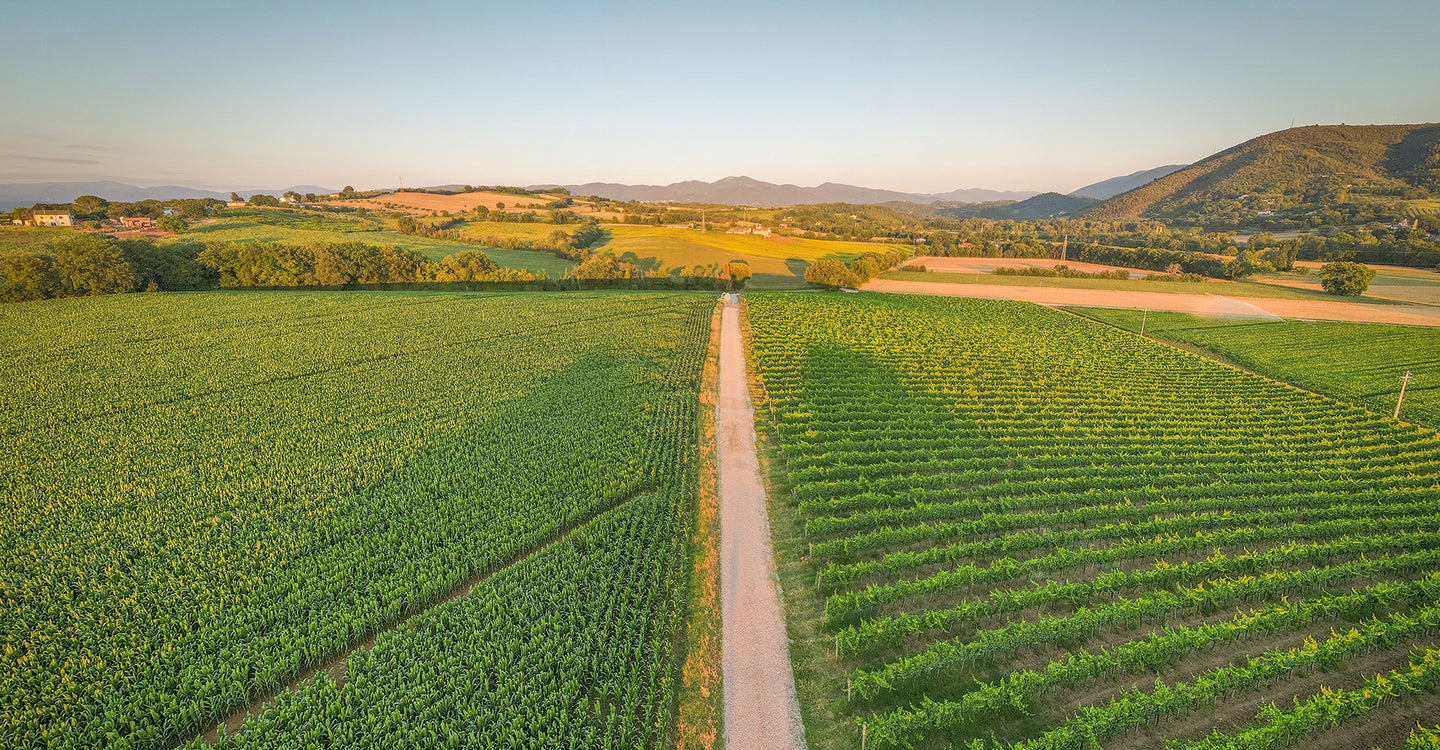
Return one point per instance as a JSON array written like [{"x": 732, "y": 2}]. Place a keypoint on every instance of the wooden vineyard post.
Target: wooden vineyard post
[
  {"x": 863, "y": 727},
  {"x": 1143, "y": 315},
  {"x": 1404, "y": 381}
]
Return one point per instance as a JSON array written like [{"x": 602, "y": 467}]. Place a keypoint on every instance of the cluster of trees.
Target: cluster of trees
[
  {"x": 87, "y": 264},
  {"x": 92, "y": 209},
  {"x": 338, "y": 264},
  {"x": 1062, "y": 271},
  {"x": 832, "y": 274},
  {"x": 606, "y": 266}
]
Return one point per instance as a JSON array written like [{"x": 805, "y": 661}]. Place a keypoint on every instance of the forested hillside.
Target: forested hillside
[{"x": 1306, "y": 176}]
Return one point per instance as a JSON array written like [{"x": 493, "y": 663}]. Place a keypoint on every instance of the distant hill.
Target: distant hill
[
  {"x": 1117, "y": 185},
  {"x": 745, "y": 191},
  {"x": 1290, "y": 172},
  {"x": 1042, "y": 206},
  {"x": 27, "y": 194}
]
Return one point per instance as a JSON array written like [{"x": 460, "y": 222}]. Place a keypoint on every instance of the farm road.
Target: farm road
[
  {"x": 1197, "y": 304},
  {"x": 761, "y": 709}
]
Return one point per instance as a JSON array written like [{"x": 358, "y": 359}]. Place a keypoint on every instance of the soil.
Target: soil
[
  {"x": 1195, "y": 304},
  {"x": 761, "y": 709}
]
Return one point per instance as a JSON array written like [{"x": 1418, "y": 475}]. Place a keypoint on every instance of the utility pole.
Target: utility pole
[
  {"x": 1404, "y": 381},
  {"x": 1064, "y": 247}
]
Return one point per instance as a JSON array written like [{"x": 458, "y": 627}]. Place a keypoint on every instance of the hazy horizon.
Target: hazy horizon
[{"x": 913, "y": 96}]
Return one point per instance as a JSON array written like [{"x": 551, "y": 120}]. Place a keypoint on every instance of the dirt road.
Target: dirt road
[
  {"x": 761, "y": 710},
  {"x": 1198, "y": 304}
]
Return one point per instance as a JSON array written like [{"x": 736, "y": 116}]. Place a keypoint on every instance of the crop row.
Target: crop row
[{"x": 978, "y": 479}]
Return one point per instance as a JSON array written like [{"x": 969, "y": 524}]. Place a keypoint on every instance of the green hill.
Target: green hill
[
  {"x": 1302, "y": 175},
  {"x": 1042, "y": 206}
]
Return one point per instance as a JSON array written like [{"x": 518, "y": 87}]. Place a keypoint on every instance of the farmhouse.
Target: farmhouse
[
  {"x": 234, "y": 204},
  {"x": 54, "y": 219},
  {"x": 137, "y": 222}
]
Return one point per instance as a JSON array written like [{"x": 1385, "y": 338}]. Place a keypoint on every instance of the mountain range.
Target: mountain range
[
  {"x": 746, "y": 191},
  {"x": 1117, "y": 185}
]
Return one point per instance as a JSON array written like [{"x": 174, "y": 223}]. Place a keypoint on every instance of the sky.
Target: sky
[{"x": 911, "y": 96}]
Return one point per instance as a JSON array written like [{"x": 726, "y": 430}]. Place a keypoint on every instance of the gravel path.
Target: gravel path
[{"x": 761, "y": 710}]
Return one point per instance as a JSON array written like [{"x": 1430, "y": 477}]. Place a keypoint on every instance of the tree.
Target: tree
[
  {"x": 260, "y": 199},
  {"x": 26, "y": 275},
  {"x": 739, "y": 272},
  {"x": 87, "y": 205},
  {"x": 831, "y": 274},
  {"x": 235, "y": 197},
  {"x": 173, "y": 224},
  {"x": 1246, "y": 263},
  {"x": 89, "y": 264},
  {"x": 1346, "y": 277},
  {"x": 347, "y": 192}
]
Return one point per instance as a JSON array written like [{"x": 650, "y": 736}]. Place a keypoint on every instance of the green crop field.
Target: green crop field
[
  {"x": 1010, "y": 527},
  {"x": 287, "y": 226},
  {"x": 1356, "y": 362},
  {"x": 776, "y": 263},
  {"x": 206, "y": 495}
]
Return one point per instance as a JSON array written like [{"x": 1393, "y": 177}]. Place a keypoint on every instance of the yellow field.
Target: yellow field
[{"x": 424, "y": 203}]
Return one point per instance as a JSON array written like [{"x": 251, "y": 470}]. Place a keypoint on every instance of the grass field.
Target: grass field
[
  {"x": 1003, "y": 526},
  {"x": 1356, "y": 362},
  {"x": 209, "y": 494},
  {"x": 280, "y": 227},
  {"x": 32, "y": 238},
  {"x": 1255, "y": 289},
  {"x": 775, "y": 263}
]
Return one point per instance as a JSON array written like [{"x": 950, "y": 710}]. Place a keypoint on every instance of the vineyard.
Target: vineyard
[
  {"x": 208, "y": 496},
  {"x": 1016, "y": 528},
  {"x": 1356, "y": 362}
]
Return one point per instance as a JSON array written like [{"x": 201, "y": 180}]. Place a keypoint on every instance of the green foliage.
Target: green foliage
[
  {"x": 1346, "y": 278},
  {"x": 243, "y": 486},
  {"x": 831, "y": 274},
  {"x": 260, "y": 199},
  {"x": 981, "y": 482},
  {"x": 28, "y": 276},
  {"x": 328, "y": 264},
  {"x": 91, "y": 264},
  {"x": 173, "y": 224}
]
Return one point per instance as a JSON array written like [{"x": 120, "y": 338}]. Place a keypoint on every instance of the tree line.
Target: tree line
[{"x": 90, "y": 264}]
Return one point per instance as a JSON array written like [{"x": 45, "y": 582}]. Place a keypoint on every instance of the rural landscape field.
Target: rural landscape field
[{"x": 649, "y": 376}]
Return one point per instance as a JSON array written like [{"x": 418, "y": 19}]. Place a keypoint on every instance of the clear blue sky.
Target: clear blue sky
[{"x": 916, "y": 96}]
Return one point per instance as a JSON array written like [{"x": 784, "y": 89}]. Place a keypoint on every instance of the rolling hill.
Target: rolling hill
[
  {"x": 1042, "y": 206},
  {"x": 1298, "y": 170}
]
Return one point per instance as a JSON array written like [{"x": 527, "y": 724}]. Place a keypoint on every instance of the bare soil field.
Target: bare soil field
[
  {"x": 986, "y": 265},
  {"x": 424, "y": 203},
  {"x": 1208, "y": 304}
]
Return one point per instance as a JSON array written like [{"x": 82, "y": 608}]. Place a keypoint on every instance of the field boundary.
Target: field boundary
[
  {"x": 1221, "y": 359},
  {"x": 700, "y": 701},
  {"x": 334, "y": 666}
]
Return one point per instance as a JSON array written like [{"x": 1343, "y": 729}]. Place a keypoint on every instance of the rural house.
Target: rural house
[
  {"x": 137, "y": 222},
  {"x": 54, "y": 219}
]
